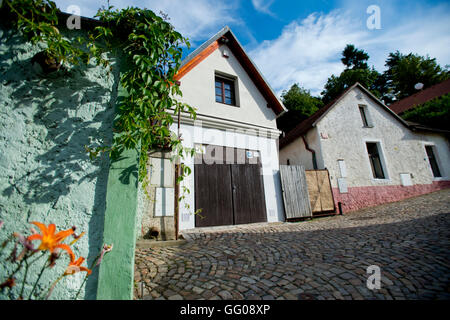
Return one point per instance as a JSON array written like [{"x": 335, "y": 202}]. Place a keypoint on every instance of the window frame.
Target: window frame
[
  {"x": 382, "y": 160},
  {"x": 225, "y": 81},
  {"x": 365, "y": 116},
  {"x": 436, "y": 160}
]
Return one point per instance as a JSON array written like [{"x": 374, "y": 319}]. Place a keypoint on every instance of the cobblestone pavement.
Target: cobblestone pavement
[{"x": 324, "y": 258}]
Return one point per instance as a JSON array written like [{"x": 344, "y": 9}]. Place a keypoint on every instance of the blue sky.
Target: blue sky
[{"x": 301, "y": 41}]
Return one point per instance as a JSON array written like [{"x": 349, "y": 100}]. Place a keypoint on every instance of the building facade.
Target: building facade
[
  {"x": 235, "y": 135},
  {"x": 372, "y": 155}
]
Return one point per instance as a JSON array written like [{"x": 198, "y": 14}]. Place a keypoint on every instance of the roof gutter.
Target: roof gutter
[
  {"x": 280, "y": 114},
  {"x": 314, "y": 160}
]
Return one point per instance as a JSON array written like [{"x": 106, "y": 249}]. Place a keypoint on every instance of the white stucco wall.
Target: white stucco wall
[
  {"x": 198, "y": 89},
  {"x": 298, "y": 155},
  {"x": 268, "y": 149},
  {"x": 403, "y": 150}
]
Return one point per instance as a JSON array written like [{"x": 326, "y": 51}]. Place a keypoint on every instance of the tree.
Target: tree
[
  {"x": 366, "y": 77},
  {"x": 353, "y": 58},
  {"x": 405, "y": 71},
  {"x": 356, "y": 70},
  {"x": 434, "y": 113},
  {"x": 300, "y": 104},
  {"x": 300, "y": 99}
]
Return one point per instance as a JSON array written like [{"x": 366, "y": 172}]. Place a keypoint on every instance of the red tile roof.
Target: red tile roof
[{"x": 421, "y": 97}]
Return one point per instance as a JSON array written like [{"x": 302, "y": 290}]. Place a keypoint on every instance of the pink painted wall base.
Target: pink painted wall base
[{"x": 363, "y": 197}]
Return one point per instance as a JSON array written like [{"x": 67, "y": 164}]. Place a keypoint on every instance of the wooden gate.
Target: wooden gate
[
  {"x": 249, "y": 202},
  {"x": 229, "y": 194},
  {"x": 319, "y": 190},
  {"x": 213, "y": 194},
  {"x": 295, "y": 192}
]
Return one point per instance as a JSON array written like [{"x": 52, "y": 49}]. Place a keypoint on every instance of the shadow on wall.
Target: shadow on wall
[{"x": 62, "y": 114}]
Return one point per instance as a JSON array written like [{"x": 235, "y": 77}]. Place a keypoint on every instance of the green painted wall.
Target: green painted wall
[
  {"x": 45, "y": 173},
  {"x": 117, "y": 269},
  {"x": 116, "y": 276}
]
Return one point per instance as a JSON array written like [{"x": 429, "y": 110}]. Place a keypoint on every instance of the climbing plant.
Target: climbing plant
[
  {"x": 37, "y": 21},
  {"x": 152, "y": 51},
  {"x": 150, "y": 48}
]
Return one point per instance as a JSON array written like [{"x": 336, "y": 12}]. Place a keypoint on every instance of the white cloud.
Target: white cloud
[
  {"x": 263, "y": 6},
  {"x": 309, "y": 51},
  {"x": 426, "y": 33},
  {"x": 88, "y": 8},
  {"x": 196, "y": 19}
]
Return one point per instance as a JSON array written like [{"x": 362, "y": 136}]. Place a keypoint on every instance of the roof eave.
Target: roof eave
[{"x": 275, "y": 104}]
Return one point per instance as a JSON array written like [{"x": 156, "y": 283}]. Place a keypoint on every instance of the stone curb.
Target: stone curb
[{"x": 159, "y": 244}]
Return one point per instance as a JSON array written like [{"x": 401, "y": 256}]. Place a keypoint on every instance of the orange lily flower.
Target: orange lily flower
[
  {"x": 75, "y": 266},
  {"x": 51, "y": 241}
]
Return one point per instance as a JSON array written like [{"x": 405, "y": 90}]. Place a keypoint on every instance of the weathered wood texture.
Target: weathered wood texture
[
  {"x": 295, "y": 192},
  {"x": 229, "y": 194},
  {"x": 248, "y": 194},
  {"x": 213, "y": 194},
  {"x": 319, "y": 190}
]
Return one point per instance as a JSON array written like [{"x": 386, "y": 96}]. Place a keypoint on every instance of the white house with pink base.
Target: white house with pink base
[{"x": 372, "y": 155}]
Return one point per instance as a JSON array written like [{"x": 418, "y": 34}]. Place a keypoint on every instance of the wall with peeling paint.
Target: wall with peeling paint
[{"x": 45, "y": 173}]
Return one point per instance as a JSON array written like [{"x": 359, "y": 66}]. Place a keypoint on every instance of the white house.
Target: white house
[
  {"x": 235, "y": 179},
  {"x": 373, "y": 156}
]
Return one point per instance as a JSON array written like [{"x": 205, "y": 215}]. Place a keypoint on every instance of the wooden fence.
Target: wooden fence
[
  {"x": 305, "y": 192},
  {"x": 295, "y": 192}
]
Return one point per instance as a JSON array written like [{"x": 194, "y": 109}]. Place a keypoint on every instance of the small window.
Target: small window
[
  {"x": 433, "y": 162},
  {"x": 375, "y": 160},
  {"x": 362, "y": 110},
  {"x": 225, "y": 91}
]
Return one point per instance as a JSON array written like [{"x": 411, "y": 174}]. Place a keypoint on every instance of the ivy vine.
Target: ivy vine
[{"x": 152, "y": 51}]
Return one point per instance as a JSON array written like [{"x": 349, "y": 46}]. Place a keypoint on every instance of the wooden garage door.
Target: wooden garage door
[
  {"x": 213, "y": 194},
  {"x": 229, "y": 194},
  {"x": 248, "y": 194}
]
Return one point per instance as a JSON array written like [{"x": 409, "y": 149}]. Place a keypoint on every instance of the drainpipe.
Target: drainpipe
[{"x": 314, "y": 161}]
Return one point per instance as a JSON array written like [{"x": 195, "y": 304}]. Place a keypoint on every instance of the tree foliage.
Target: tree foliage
[
  {"x": 150, "y": 48},
  {"x": 300, "y": 104},
  {"x": 354, "y": 58},
  {"x": 397, "y": 82},
  {"x": 434, "y": 113},
  {"x": 37, "y": 21},
  {"x": 356, "y": 70},
  {"x": 405, "y": 71},
  {"x": 335, "y": 85},
  {"x": 299, "y": 99}
]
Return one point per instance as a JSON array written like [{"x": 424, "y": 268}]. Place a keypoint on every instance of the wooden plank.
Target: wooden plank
[
  {"x": 326, "y": 194},
  {"x": 313, "y": 190},
  {"x": 303, "y": 194},
  {"x": 213, "y": 195},
  {"x": 248, "y": 194},
  {"x": 295, "y": 192}
]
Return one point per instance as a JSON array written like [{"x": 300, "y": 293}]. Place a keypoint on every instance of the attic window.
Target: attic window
[
  {"x": 225, "y": 92},
  {"x": 365, "y": 117}
]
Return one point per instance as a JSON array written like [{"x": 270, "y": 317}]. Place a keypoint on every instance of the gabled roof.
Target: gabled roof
[
  {"x": 421, "y": 97},
  {"x": 226, "y": 36},
  {"x": 304, "y": 126}
]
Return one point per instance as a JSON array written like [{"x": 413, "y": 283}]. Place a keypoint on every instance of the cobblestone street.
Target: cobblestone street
[{"x": 324, "y": 258}]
